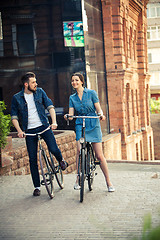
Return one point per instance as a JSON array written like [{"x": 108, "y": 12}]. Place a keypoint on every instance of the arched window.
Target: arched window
[{"x": 127, "y": 108}]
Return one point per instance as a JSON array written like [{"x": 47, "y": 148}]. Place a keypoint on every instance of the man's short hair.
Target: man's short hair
[{"x": 26, "y": 76}]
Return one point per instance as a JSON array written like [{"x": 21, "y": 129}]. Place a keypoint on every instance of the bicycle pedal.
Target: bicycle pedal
[
  {"x": 97, "y": 162},
  {"x": 47, "y": 180},
  {"x": 42, "y": 182}
]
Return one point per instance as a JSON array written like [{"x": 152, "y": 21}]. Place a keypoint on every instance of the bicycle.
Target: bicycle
[
  {"x": 49, "y": 167},
  {"x": 87, "y": 160}
]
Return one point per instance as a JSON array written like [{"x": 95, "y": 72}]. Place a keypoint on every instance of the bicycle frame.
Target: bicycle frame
[
  {"x": 51, "y": 167},
  {"x": 83, "y": 169}
]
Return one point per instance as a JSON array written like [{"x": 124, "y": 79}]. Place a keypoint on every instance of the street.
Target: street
[{"x": 102, "y": 215}]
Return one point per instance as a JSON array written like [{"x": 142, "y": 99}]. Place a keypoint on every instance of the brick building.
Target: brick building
[
  {"x": 153, "y": 36},
  {"x": 104, "y": 39},
  {"x": 125, "y": 27}
]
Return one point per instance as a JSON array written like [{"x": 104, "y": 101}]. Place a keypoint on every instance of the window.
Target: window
[
  {"x": 1, "y": 95},
  {"x": 130, "y": 42},
  {"x": 1, "y": 34},
  {"x": 155, "y": 78},
  {"x": 158, "y": 11},
  {"x": 127, "y": 109},
  {"x": 71, "y": 10},
  {"x": 137, "y": 102},
  {"x": 154, "y": 56},
  {"x": 25, "y": 40},
  {"x": 153, "y": 33},
  {"x": 57, "y": 57},
  {"x": 1, "y": 37},
  {"x": 134, "y": 44},
  {"x": 153, "y": 11},
  {"x": 150, "y": 57}
]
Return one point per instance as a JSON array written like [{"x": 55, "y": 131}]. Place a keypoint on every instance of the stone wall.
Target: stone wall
[
  {"x": 15, "y": 158},
  {"x": 111, "y": 144}
]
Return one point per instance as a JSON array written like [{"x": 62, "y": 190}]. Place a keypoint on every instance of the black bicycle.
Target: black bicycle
[
  {"x": 87, "y": 161},
  {"x": 50, "y": 167}
]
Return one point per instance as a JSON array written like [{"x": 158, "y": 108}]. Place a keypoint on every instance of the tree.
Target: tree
[
  {"x": 154, "y": 106},
  {"x": 5, "y": 124}
]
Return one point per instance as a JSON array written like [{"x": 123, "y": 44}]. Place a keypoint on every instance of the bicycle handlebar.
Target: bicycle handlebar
[
  {"x": 83, "y": 117},
  {"x": 72, "y": 116},
  {"x": 34, "y": 134}
]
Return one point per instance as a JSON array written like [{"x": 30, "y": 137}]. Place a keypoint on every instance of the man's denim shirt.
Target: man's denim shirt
[{"x": 19, "y": 107}]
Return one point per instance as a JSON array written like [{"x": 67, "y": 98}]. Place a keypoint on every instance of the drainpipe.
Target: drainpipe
[{"x": 108, "y": 120}]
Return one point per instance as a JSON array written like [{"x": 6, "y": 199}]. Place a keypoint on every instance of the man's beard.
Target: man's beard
[{"x": 31, "y": 90}]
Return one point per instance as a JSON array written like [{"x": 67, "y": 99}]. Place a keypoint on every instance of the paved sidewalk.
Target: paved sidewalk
[{"x": 102, "y": 215}]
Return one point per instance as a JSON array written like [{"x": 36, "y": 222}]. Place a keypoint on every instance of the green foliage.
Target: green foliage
[
  {"x": 155, "y": 106},
  {"x": 5, "y": 124},
  {"x": 149, "y": 233}
]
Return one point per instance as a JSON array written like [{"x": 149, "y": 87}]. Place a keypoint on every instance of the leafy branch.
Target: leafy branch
[
  {"x": 149, "y": 232},
  {"x": 5, "y": 124},
  {"x": 154, "y": 106}
]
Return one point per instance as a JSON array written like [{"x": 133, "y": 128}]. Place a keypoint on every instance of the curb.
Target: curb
[{"x": 157, "y": 162}]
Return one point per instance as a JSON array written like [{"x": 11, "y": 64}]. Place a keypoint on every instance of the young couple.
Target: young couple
[{"x": 29, "y": 105}]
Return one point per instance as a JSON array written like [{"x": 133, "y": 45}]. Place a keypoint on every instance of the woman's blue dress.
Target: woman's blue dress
[{"x": 85, "y": 107}]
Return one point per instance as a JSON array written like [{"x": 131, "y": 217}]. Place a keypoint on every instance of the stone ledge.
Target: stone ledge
[
  {"x": 154, "y": 162},
  {"x": 111, "y": 145},
  {"x": 16, "y": 161},
  {"x": 19, "y": 164}
]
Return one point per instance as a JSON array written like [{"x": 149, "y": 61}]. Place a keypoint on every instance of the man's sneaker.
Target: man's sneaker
[
  {"x": 63, "y": 164},
  {"x": 36, "y": 192}
]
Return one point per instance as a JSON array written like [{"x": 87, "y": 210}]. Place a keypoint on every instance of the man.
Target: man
[{"x": 29, "y": 105}]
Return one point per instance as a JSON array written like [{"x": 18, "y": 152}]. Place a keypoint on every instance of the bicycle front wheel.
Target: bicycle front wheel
[
  {"x": 57, "y": 171},
  {"x": 46, "y": 172},
  {"x": 91, "y": 167},
  {"x": 82, "y": 174}
]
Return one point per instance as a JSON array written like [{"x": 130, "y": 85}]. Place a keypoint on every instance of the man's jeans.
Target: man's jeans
[{"x": 32, "y": 146}]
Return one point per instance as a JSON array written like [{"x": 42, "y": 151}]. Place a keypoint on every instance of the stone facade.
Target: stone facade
[{"x": 125, "y": 26}]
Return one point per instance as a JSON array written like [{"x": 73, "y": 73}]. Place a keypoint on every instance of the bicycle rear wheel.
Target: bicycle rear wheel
[
  {"x": 46, "y": 172},
  {"x": 82, "y": 174},
  {"x": 57, "y": 171},
  {"x": 91, "y": 167}
]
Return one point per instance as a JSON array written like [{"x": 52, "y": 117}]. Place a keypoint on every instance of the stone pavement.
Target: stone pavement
[{"x": 102, "y": 215}]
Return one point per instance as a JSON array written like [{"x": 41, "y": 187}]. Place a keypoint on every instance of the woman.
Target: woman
[{"x": 86, "y": 102}]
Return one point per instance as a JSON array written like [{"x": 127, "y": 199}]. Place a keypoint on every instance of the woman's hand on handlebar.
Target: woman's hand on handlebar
[
  {"x": 68, "y": 117},
  {"x": 102, "y": 118}
]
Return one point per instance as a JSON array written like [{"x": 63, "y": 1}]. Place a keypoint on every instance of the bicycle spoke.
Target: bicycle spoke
[
  {"x": 57, "y": 171},
  {"x": 47, "y": 173},
  {"x": 82, "y": 174},
  {"x": 91, "y": 166}
]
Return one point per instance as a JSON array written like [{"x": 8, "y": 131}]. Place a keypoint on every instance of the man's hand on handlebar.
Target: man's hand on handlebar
[
  {"x": 53, "y": 126},
  {"x": 21, "y": 134}
]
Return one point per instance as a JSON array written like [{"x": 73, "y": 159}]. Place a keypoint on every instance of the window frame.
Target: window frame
[
  {"x": 155, "y": 8},
  {"x": 28, "y": 42},
  {"x": 151, "y": 31},
  {"x": 15, "y": 41}
]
